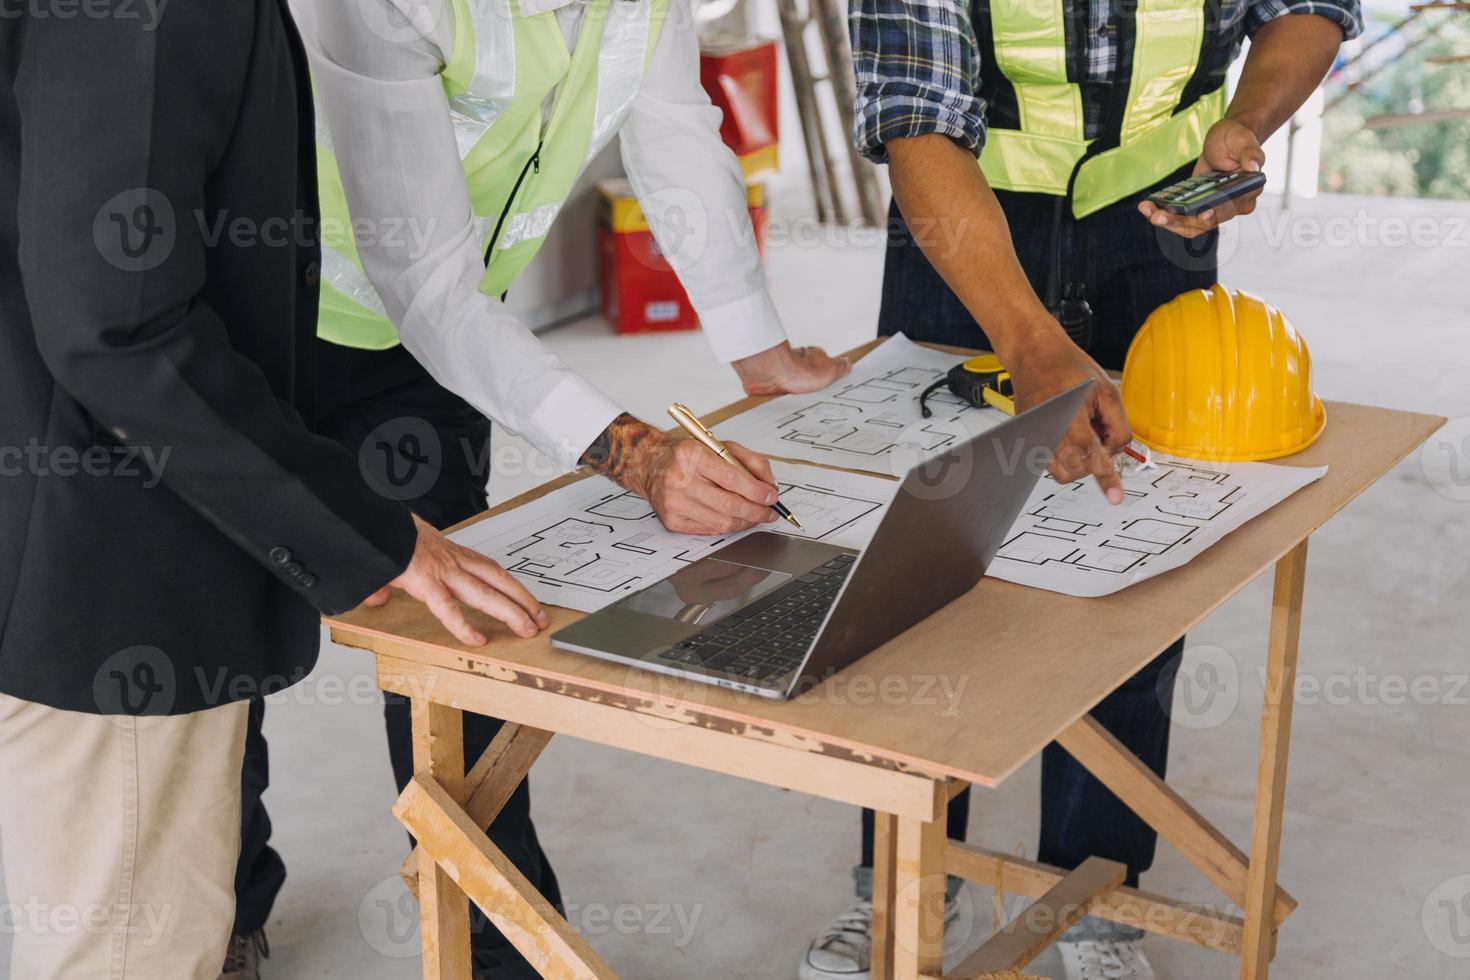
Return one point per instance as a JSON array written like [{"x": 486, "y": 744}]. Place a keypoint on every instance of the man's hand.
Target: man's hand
[
  {"x": 443, "y": 574},
  {"x": 783, "y": 370},
  {"x": 1289, "y": 56},
  {"x": 1229, "y": 146},
  {"x": 692, "y": 490},
  {"x": 1100, "y": 429}
]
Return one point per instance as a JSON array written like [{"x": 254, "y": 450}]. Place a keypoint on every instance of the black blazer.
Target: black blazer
[{"x": 158, "y": 290}]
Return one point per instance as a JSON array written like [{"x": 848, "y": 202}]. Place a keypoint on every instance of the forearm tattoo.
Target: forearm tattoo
[{"x": 612, "y": 452}]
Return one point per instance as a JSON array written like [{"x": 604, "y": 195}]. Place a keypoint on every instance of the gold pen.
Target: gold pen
[{"x": 695, "y": 428}]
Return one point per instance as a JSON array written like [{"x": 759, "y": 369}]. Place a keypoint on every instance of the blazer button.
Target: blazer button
[
  {"x": 307, "y": 581},
  {"x": 280, "y": 555},
  {"x": 313, "y": 274},
  {"x": 294, "y": 569}
]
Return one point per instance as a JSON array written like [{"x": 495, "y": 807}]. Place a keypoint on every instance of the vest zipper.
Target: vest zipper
[{"x": 535, "y": 162}]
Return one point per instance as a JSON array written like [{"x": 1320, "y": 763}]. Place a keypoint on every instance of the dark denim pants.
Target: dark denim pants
[
  {"x": 1128, "y": 269},
  {"x": 374, "y": 388}
]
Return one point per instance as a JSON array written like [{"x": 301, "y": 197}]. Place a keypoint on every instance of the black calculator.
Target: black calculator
[{"x": 1194, "y": 195}]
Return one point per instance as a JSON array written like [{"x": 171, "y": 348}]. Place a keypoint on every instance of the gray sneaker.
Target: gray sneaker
[
  {"x": 844, "y": 950},
  {"x": 242, "y": 958}
]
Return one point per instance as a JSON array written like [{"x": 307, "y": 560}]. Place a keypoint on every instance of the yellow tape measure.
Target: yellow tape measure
[{"x": 981, "y": 381}]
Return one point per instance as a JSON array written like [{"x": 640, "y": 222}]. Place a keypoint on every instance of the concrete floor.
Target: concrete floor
[{"x": 674, "y": 873}]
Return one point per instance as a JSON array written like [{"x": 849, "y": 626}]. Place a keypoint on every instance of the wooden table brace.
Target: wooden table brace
[
  {"x": 509, "y": 757},
  {"x": 450, "y": 840}
]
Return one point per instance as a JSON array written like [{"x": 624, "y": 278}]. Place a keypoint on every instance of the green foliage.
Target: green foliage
[{"x": 1429, "y": 159}]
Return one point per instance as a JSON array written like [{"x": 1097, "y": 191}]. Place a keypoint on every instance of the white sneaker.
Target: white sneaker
[
  {"x": 1105, "y": 959},
  {"x": 844, "y": 950}
]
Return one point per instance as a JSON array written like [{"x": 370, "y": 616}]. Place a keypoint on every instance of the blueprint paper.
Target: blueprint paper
[
  {"x": 869, "y": 420},
  {"x": 1070, "y": 540},
  {"x": 589, "y": 544}
]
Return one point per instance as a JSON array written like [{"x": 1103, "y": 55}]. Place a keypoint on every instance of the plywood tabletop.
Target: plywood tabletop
[{"x": 977, "y": 689}]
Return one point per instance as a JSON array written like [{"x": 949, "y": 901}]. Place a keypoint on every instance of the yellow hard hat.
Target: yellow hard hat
[{"x": 1221, "y": 375}]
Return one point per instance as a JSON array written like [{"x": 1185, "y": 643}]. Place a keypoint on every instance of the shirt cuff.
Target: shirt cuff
[
  {"x": 893, "y": 111},
  {"x": 1347, "y": 14},
  {"x": 743, "y": 327},
  {"x": 569, "y": 420}
]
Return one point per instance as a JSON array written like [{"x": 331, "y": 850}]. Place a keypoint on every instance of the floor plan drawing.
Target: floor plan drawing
[
  {"x": 588, "y": 544},
  {"x": 1069, "y": 539},
  {"x": 870, "y": 420},
  {"x": 581, "y": 553}
]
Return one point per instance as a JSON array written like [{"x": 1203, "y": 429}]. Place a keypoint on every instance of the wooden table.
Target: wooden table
[{"x": 901, "y": 756}]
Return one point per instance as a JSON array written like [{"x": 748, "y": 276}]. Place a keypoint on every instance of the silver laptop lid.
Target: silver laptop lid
[{"x": 950, "y": 516}]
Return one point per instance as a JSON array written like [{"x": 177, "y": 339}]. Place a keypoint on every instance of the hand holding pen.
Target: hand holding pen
[
  {"x": 692, "y": 489},
  {"x": 691, "y": 424}
]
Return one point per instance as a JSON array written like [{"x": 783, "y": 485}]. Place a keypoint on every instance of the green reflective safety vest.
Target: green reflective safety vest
[
  {"x": 1154, "y": 134},
  {"x": 519, "y": 167}
]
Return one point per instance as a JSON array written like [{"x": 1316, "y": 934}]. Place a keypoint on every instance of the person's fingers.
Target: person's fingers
[
  {"x": 1069, "y": 462},
  {"x": 491, "y": 573},
  {"x": 1109, "y": 418},
  {"x": 1067, "y": 465},
  {"x": 1185, "y": 226},
  {"x": 379, "y": 598},
  {"x": 1246, "y": 204},
  {"x": 1105, "y": 473},
  {"x": 824, "y": 366},
  {"x": 1054, "y": 470},
  {"x": 732, "y": 512},
  {"x": 737, "y": 481},
  {"x": 447, "y": 611},
  {"x": 1188, "y": 225},
  {"x": 838, "y": 366},
  {"x": 678, "y": 523},
  {"x": 759, "y": 466},
  {"x": 1245, "y": 148},
  {"x": 692, "y": 516},
  {"x": 477, "y": 594}
]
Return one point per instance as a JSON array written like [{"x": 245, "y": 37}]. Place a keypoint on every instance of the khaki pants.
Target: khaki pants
[{"x": 120, "y": 837}]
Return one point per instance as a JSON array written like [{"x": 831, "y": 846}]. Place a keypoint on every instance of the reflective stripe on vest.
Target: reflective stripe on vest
[
  {"x": 1152, "y": 140},
  {"x": 498, "y": 78}
]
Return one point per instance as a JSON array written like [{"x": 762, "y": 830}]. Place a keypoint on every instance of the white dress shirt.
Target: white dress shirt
[{"x": 376, "y": 68}]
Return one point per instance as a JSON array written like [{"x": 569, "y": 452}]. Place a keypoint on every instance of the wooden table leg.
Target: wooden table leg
[
  {"x": 444, "y": 913},
  {"x": 918, "y": 907},
  {"x": 885, "y": 831},
  {"x": 1286, "y": 620}
]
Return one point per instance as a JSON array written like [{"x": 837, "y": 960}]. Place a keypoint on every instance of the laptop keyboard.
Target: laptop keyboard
[{"x": 768, "y": 638}]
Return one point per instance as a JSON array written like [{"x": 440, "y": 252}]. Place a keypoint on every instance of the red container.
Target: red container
[
  {"x": 640, "y": 290},
  {"x": 741, "y": 81}
]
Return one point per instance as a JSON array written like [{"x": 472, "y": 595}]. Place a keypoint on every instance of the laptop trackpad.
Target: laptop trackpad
[{"x": 705, "y": 592}]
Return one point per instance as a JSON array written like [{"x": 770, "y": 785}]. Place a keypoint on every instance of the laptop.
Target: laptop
[{"x": 772, "y": 614}]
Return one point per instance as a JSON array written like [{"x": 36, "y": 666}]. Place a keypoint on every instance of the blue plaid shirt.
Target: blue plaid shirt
[{"x": 918, "y": 61}]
